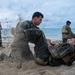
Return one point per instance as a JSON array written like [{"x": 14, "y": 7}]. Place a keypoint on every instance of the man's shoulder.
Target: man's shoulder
[
  {"x": 65, "y": 26},
  {"x": 26, "y": 22}
]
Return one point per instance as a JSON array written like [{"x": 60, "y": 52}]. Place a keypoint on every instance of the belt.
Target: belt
[{"x": 65, "y": 33}]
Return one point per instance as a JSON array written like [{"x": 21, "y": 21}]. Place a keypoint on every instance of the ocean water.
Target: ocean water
[
  {"x": 6, "y": 32},
  {"x": 50, "y": 33},
  {"x": 6, "y": 35},
  {"x": 54, "y": 33}
]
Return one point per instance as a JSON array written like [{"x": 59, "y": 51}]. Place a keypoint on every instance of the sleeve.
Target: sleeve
[{"x": 69, "y": 30}]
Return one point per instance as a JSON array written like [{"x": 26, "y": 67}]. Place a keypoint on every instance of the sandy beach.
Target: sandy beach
[{"x": 31, "y": 68}]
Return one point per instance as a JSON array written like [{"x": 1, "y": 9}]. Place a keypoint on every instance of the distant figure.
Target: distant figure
[
  {"x": 0, "y": 36},
  {"x": 66, "y": 32}
]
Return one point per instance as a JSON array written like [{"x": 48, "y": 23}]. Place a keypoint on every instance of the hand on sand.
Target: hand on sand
[{"x": 50, "y": 43}]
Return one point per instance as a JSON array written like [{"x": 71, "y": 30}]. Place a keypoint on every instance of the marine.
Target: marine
[{"x": 67, "y": 32}]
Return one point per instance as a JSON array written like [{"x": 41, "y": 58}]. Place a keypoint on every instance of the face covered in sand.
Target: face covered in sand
[{"x": 71, "y": 41}]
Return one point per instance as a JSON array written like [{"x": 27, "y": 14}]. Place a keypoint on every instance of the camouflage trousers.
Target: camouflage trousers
[{"x": 64, "y": 52}]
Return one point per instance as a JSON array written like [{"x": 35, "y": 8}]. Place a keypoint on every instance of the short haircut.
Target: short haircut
[
  {"x": 37, "y": 14},
  {"x": 68, "y": 22}
]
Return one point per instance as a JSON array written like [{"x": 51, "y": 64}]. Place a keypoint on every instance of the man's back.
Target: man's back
[{"x": 64, "y": 29}]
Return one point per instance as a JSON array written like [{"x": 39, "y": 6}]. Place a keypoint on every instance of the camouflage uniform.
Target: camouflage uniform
[
  {"x": 35, "y": 35},
  {"x": 67, "y": 33},
  {"x": 65, "y": 52}
]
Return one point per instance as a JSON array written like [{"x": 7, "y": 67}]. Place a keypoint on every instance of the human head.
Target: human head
[
  {"x": 37, "y": 18},
  {"x": 68, "y": 23}
]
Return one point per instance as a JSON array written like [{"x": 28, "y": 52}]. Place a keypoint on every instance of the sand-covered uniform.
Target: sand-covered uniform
[
  {"x": 67, "y": 33},
  {"x": 34, "y": 35},
  {"x": 65, "y": 52}
]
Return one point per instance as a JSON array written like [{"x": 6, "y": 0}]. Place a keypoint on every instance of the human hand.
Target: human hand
[
  {"x": 71, "y": 41},
  {"x": 48, "y": 42}
]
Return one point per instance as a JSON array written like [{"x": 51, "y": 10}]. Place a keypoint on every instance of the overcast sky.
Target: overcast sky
[{"x": 56, "y": 12}]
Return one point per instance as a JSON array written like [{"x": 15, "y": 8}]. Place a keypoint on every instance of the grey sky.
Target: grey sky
[{"x": 56, "y": 12}]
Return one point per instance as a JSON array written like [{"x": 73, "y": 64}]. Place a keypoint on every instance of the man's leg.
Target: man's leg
[{"x": 41, "y": 51}]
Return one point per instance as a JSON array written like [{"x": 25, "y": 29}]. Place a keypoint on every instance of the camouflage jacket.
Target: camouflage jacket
[{"x": 27, "y": 25}]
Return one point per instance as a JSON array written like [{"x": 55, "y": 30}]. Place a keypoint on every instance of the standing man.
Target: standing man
[{"x": 66, "y": 32}]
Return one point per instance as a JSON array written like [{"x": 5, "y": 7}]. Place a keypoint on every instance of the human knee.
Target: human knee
[{"x": 40, "y": 61}]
